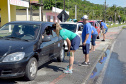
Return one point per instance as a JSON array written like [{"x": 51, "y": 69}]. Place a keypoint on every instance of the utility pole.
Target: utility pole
[
  {"x": 75, "y": 11},
  {"x": 30, "y": 11},
  {"x": 64, "y": 5},
  {"x": 105, "y": 11},
  {"x": 64, "y": 10},
  {"x": 55, "y": 12},
  {"x": 41, "y": 10},
  {"x": 115, "y": 16}
]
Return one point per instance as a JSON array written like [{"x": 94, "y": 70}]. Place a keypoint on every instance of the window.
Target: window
[
  {"x": 48, "y": 18},
  {"x": 54, "y": 19},
  {"x": 80, "y": 28},
  {"x": 54, "y": 34}
]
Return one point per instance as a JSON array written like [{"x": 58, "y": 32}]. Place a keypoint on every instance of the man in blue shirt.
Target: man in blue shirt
[
  {"x": 94, "y": 37},
  {"x": 104, "y": 29},
  {"x": 86, "y": 38}
]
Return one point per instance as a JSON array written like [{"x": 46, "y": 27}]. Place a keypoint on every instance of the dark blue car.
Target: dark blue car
[{"x": 26, "y": 45}]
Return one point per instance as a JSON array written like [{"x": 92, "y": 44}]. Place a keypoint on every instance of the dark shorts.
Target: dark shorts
[
  {"x": 75, "y": 42},
  {"x": 86, "y": 49},
  {"x": 105, "y": 31},
  {"x": 94, "y": 37}
]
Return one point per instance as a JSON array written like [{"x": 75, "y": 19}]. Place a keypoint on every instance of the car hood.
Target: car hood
[{"x": 9, "y": 46}]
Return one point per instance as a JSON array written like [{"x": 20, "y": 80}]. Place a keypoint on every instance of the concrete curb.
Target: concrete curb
[
  {"x": 85, "y": 81},
  {"x": 108, "y": 46}
]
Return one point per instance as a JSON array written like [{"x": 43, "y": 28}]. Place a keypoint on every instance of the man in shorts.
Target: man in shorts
[
  {"x": 104, "y": 29},
  {"x": 86, "y": 38}
]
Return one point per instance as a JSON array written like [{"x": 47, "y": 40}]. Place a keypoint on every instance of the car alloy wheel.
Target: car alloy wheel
[
  {"x": 33, "y": 69},
  {"x": 62, "y": 55}
]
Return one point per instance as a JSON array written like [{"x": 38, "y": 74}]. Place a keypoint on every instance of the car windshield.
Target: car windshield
[
  {"x": 19, "y": 31},
  {"x": 71, "y": 27},
  {"x": 91, "y": 23},
  {"x": 81, "y": 22}
]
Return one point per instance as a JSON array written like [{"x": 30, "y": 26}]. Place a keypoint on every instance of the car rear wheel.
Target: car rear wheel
[
  {"x": 62, "y": 55},
  {"x": 31, "y": 69}
]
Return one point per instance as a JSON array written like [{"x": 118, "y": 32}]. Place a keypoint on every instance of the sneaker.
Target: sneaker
[
  {"x": 102, "y": 40},
  {"x": 88, "y": 63},
  {"x": 67, "y": 68},
  {"x": 84, "y": 64},
  {"x": 68, "y": 71}
]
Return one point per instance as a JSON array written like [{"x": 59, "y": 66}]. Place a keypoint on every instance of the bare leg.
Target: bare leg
[
  {"x": 103, "y": 36},
  {"x": 71, "y": 60},
  {"x": 86, "y": 57},
  {"x": 93, "y": 48}
]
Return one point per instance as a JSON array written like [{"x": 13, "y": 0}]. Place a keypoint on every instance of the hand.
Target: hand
[
  {"x": 84, "y": 43},
  {"x": 68, "y": 51}
]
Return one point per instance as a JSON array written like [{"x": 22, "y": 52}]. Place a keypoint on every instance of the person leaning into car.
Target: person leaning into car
[{"x": 73, "y": 42}]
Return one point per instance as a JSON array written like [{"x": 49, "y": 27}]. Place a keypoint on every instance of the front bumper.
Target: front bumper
[{"x": 13, "y": 69}]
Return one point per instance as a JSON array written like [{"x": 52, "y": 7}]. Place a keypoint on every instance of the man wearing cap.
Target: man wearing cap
[
  {"x": 104, "y": 29},
  {"x": 86, "y": 38}
]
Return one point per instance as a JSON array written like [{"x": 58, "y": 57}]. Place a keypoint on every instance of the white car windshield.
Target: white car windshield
[
  {"x": 20, "y": 31},
  {"x": 71, "y": 27}
]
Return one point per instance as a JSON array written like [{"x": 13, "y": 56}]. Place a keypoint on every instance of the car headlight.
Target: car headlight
[{"x": 14, "y": 57}]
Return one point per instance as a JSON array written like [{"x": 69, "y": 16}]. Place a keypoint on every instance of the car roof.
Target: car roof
[
  {"x": 30, "y": 22},
  {"x": 69, "y": 23}
]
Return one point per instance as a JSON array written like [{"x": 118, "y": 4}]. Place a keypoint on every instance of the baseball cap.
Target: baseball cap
[{"x": 85, "y": 17}]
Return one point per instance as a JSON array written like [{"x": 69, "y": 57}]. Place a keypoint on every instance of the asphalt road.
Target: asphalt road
[
  {"x": 116, "y": 70},
  {"x": 52, "y": 72}
]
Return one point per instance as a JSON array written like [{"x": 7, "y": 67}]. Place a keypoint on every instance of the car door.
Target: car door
[
  {"x": 80, "y": 32},
  {"x": 46, "y": 50},
  {"x": 57, "y": 43}
]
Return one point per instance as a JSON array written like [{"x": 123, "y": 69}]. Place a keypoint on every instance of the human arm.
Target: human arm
[
  {"x": 92, "y": 32},
  {"x": 68, "y": 44},
  {"x": 84, "y": 43}
]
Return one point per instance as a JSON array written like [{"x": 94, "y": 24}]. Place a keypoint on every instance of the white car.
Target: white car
[{"x": 74, "y": 27}]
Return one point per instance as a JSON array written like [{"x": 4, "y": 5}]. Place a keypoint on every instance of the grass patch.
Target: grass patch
[
  {"x": 116, "y": 25},
  {"x": 123, "y": 27}
]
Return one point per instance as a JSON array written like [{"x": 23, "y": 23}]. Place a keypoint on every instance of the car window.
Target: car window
[
  {"x": 54, "y": 34},
  {"x": 80, "y": 28},
  {"x": 91, "y": 23},
  {"x": 71, "y": 27},
  {"x": 47, "y": 32}
]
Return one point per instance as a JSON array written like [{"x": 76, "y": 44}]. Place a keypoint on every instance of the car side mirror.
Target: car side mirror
[{"x": 46, "y": 39}]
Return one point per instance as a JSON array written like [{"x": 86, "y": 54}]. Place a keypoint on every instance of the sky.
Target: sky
[{"x": 121, "y": 3}]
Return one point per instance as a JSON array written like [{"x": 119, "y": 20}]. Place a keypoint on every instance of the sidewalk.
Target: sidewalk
[{"x": 81, "y": 74}]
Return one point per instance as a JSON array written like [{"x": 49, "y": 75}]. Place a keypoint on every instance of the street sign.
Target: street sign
[{"x": 63, "y": 16}]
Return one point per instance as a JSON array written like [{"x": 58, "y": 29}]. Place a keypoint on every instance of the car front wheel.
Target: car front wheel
[
  {"x": 31, "y": 69},
  {"x": 62, "y": 55}
]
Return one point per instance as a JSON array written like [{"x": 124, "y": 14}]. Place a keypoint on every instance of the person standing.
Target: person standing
[
  {"x": 94, "y": 37},
  {"x": 73, "y": 42},
  {"x": 86, "y": 38},
  {"x": 104, "y": 29}
]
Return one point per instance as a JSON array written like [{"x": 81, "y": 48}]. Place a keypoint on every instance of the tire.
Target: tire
[
  {"x": 31, "y": 70},
  {"x": 98, "y": 37},
  {"x": 62, "y": 55}
]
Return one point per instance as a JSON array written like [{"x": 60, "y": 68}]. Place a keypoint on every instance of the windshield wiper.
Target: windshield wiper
[
  {"x": 16, "y": 38},
  {"x": 13, "y": 37}
]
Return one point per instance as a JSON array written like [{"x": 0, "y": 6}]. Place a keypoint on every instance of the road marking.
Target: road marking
[
  {"x": 101, "y": 76},
  {"x": 58, "y": 79}
]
